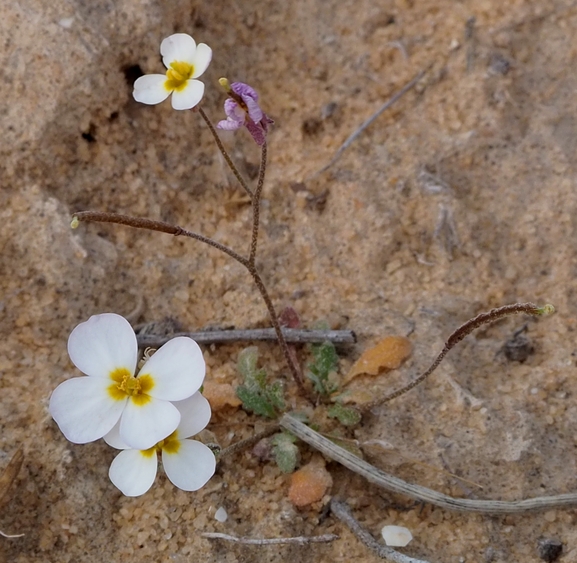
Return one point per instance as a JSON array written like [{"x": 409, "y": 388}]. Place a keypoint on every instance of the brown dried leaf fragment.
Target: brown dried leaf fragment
[
  {"x": 389, "y": 353},
  {"x": 7, "y": 478},
  {"x": 10, "y": 473}
]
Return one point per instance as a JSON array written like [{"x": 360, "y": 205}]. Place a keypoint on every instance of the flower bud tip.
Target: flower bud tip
[
  {"x": 225, "y": 84},
  {"x": 547, "y": 309}
]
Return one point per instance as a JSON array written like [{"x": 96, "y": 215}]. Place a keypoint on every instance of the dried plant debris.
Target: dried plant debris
[
  {"x": 388, "y": 353},
  {"x": 7, "y": 478}
]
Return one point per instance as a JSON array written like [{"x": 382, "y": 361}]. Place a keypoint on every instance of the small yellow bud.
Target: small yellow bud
[
  {"x": 74, "y": 223},
  {"x": 225, "y": 84},
  {"x": 547, "y": 309}
]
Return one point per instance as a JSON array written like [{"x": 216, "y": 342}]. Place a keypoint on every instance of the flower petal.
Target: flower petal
[
  {"x": 257, "y": 132},
  {"x": 150, "y": 89},
  {"x": 178, "y": 47},
  {"x": 190, "y": 96},
  {"x": 133, "y": 471},
  {"x": 234, "y": 111},
  {"x": 143, "y": 426},
  {"x": 202, "y": 58},
  {"x": 191, "y": 467},
  {"x": 194, "y": 415},
  {"x": 83, "y": 409},
  {"x": 229, "y": 124},
  {"x": 113, "y": 438},
  {"x": 254, "y": 111},
  {"x": 177, "y": 369},
  {"x": 250, "y": 98},
  {"x": 244, "y": 90},
  {"x": 102, "y": 344}
]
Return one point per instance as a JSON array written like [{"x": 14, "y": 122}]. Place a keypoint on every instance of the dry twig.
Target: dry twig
[
  {"x": 299, "y": 540},
  {"x": 342, "y": 511},
  {"x": 292, "y": 335},
  {"x": 417, "y": 492}
]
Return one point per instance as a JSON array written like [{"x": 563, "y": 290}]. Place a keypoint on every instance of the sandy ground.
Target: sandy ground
[{"x": 458, "y": 199}]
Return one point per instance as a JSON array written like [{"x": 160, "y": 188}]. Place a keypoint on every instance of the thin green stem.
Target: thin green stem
[
  {"x": 256, "y": 205},
  {"x": 225, "y": 154}
]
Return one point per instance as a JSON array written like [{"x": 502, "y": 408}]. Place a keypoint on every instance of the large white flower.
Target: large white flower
[
  {"x": 105, "y": 349},
  {"x": 185, "y": 61},
  {"x": 188, "y": 464}
]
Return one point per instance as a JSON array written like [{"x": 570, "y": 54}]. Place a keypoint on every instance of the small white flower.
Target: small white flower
[
  {"x": 105, "y": 349},
  {"x": 188, "y": 464},
  {"x": 185, "y": 61}
]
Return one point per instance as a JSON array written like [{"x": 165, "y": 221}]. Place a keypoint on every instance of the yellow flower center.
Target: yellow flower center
[
  {"x": 170, "y": 445},
  {"x": 127, "y": 385},
  {"x": 177, "y": 75}
]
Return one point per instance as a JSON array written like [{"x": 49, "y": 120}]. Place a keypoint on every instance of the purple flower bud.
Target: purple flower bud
[{"x": 242, "y": 109}]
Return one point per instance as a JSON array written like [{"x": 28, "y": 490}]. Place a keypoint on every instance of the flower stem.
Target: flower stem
[
  {"x": 160, "y": 226},
  {"x": 293, "y": 366},
  {"x": 224, "y": 152},
  {"x": 456, "y": 337},
  {"x": 152, "y": 225},
  {"x": 256, "y": 205}
]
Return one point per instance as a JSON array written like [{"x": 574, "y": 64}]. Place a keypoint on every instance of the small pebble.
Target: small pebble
[
  {"x": 396, "y": 536},
  {"x": 549, "y": 549},
  {"x": 66, "y": 23},
  {"x": 220, "y": 515},
  {"x": 310, "y": 483}
]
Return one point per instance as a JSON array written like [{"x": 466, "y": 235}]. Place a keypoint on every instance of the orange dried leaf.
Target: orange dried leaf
[
  {"x": 389, "y": 353},
  {"x": 220, "y": 395},
  {"x": 310, "y": 483}
]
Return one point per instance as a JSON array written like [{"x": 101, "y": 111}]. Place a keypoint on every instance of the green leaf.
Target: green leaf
[
  {"x": 275, "y": 395},
  {"x": 347, "y": 416},
  {"x": 285, "y": 452},
  {"x": 247, "y": 360},
  {"x": 253, "y": 401},
  {"x": 255, "y": 394},
  {"x": 325, "y": 361}
]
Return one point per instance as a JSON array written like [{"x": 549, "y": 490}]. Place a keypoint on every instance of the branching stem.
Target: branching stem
[
  {"x": 160, "y": 226},
  {"x": 225, "y": 154}
]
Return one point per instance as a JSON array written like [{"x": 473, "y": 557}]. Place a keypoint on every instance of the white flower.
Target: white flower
[
  {"x": 188, "y": 464},
  {"x": 185, "y": 61},
  {"x": 105, "y": 349}
]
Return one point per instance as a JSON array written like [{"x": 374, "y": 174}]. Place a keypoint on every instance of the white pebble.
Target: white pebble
[
  {"x": 396, "y": 536},
  {"x": 66, "y": 23},
  {"x": 221, "y": 515}
]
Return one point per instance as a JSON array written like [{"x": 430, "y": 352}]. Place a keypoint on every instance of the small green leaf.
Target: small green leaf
[
  {"x": 255, "y": 394},
  {"x": 274, "y": 393},
  {"x": 247, "y": 360},
  {"x": 260, "y": 379},
  {"x": 285, "y": 452},
  {"x": 325, "y": 361},
  {"x": 253, "y": 401},
  {"x": 347, "y": 416}
]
